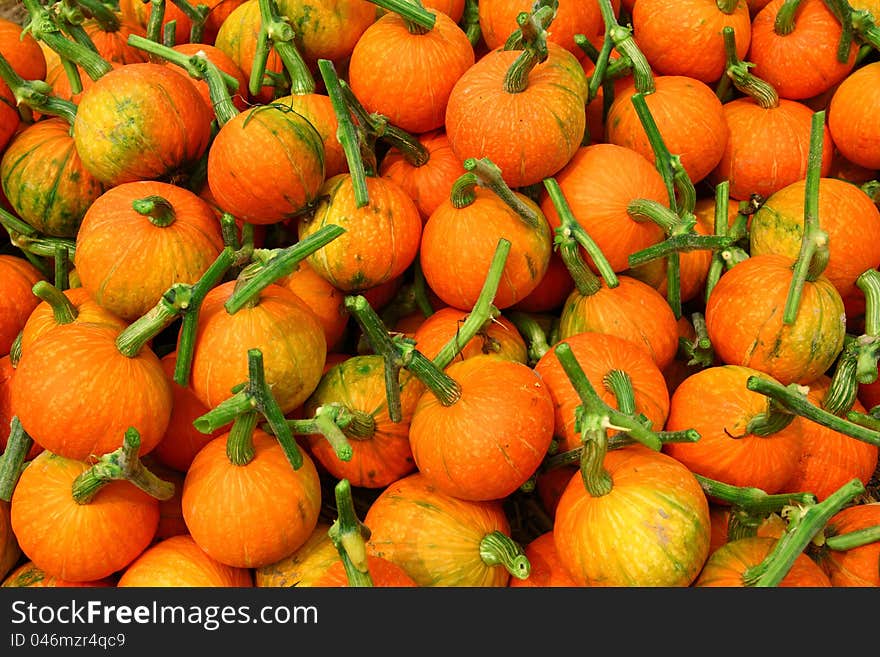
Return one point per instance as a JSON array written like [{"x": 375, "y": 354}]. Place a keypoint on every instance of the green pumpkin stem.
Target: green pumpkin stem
[
  {"x": 155, "y": 21},
  {"x": 721, "y": 229},
  {"x": 844, "y": 386},
  {"x": 698, "y": 351},
  {"x": 853, "y": 539},
  {"x": 350, "y": 537},
  {"x": 12, "y": 461},
  {"x": 283, "y": 38},
  {"x": 865, "y": 28},
  {"x": 63, "y": 310},
  {"x": 813, "y": 256},
  {"x": 571, "y": 239},
  {"x": 498, "y": 549},
  {"x": 240, "y": 442},
  {"x": 331, "y": 421},
  {"x": 755, "y": 501},
  {"x": 795, "y": 400},
  {"x": 543, "y": 12},
  {"x": 534, "y": 51},
  {"x": 602, "y": 62},
  {"x": 727, "y": 6},
  {"x": 761, "y": 91},
  {"x": 157, "y": 209},
  {"x": 418, "y": 20},
  {"x": 785, "y": 17},
  {"x": 773, "y": 420},
  {"x": 470, "y": 22},
  {"x": 624, "y": 43},
  {"x": 842, "y": 11},
  {"x": 172, "y": 304},
  {"x": 278, "y": 264},
  {"x": 61, "y": 263},
  {"x": 102, "y": 14},
  {"x": 487, "y": 174},
  {"x": 620, "y": 385},
  {"x": 804, "y": 524},
  {"x": 533, "y": 333},
  {"x": 121, "y": 464},
  {"x": 36, "y": 94}
]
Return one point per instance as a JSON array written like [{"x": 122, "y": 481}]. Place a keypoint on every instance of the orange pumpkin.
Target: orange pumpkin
[
  {"x": 546, "y": 568},
  {"x": 21, "y": 50},
  {"x": 499, "y": 336},
  {"x": 853, "y": 104},
  {"x": 498, "y": 21},
  {"x": 28, "y": 575},
  {"x": 304, "y": 565},
  {"x": 729, "y": 563},
  {"x": 317, "y": 109},
  {"x": 857, "y": 566},
  {"x": 17, "y": 301},
  {"x": 383, "y": 573},
  {"x": 322, "y": 298},
  {"x": 6, "y": 373}
]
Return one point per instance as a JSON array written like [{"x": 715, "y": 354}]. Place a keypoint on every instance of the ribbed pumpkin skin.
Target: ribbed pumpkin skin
[
  {"x": 435, "y": 538},
  {"x": 529, "y": 135},
  {"x": 846, "y": 213},
  {"x": 113, "y": 46},
  {"x": 123, "y": 129},
  {"x": 767, "y": 148},
  {"x": 546, "y": 568},
  {"x": 488, "y": 443},
  {"x": 727, "y": 565},
  {"x": 428, "y": 185},
  {"x": 684, "y": 37},
  {"x": 744, "y": 321},
  {"x": 326, "y": 301},
  {"x": 598, "y": 354},
  {"x": 17, "y": 300},
  {"x": 599, "y": 183},
  {"x": 458, "y": 245},
  {"x": 6, "y": 373},
  {"x": 414, "y": 91},
  {"x": 328, "y": 29},
  {"x": 383, "y": 573},
  {"x": 717, "y": 404},
  {"x": 829, "y": 459},
  {"x": 42, "y": 319},
  {"x": 304, "y": 566},
  {"x": 633, "y": 310},
  {"x": 318, "y": 110},
  {"x": 859, "y": 566},
  {"x": 127, "y": 263},
  {"x": 652, "y": 529},
  {"x": 280, "y": 326},
  {"x": 266, "y": 164},
  {"x": 380, "y": 241},
  {"x": 9, "y": 550},
  {"x": 178, "y": 561},
  {"x": 28, "y": 575},
  {"x": 688, "y": 115},
  {"x": 79, "y": 542},
  {"x": 500, "y": 337},
  {"x": 498, "y": 20},
  {"x": 44, "y": 179},
  {"x": 803, "y": 63},
  {"x": 76, "y": 394},
  {"x": 852, "y": 116},
  {"x": 358, "y": 383},
  {"x": 252, "y": 515}
]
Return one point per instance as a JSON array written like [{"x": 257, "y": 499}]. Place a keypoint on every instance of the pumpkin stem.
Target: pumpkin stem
[
  {"x": 175, "y": 301},
  {"x": 240, "y": 442},
  {"x": 727, "y": 6},
  {"x": 280, "y": 35},
  {"x": 332, "y": 421},
  {"x": 865, "y": 27},
  {"x": 488, "y": 175},
  {"x": 754, "y": 501},
  {"x": 774, "y": 419},
  {"x": 418, "y": 20},
  {"x": 543, "y": 12},
  {"x": 198, "y": 66},
  {"x": 61, "y": 261},
  {"x": 532, "y": 332},
  {"x": 813, "y": 256},
  {"x": 121, "y": 464},
  {"x": 63, "y": 309},
  {"x": 36, "y": 94},
  {"x": 721, "y": 229},
  {"x": 277, "y": 264},
  {"x": 534, "y": 44},
  {"x": 157, "y": 209},
  {"x": 350, "y": 537},
  {"x": 853, "y": 539},
  {"x": 803, "y": 524},
  {"x": 643, "y": 76},
  {"x": 197, "y": 14},
  {"x": 761, "y": 91},
  {"x": 187, "y": 336},
  {"x": 346, "y": 132},
  {"x": 102, "y": 14},
  {"x": 155, "y": 21},
  {"x": 573, "y": 240},
  {"x": 470, "y": 21},
  {"x": 869, "y": 283},
  {"x": 12, "y": 461},
  {"x": 620, "y": 385},
  {"x": 794, "y": 398},
  {"x": 842, "y": 11},
  {"x": 698, "y": 351},
  {"x": 844, "y": 386},
  {"x": 498, "y": 549},
  {"x": 784, "y": 23}
]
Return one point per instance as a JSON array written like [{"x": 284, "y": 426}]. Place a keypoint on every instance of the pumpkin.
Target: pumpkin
[
  {"x": 856, "y": 567},
  {"x": 21, "y": 50},
  {"x": 278, "y": 324},
  {"x": 109, "y": 32},
  {"x": 171, "y": 521},
  {"x": 10, "y": 119},
  {"x": 381, "y": 452},
  {"x": 423, "y": 65},
  {"x": 251, "y": 514},
  {"x": 223, "y": 62},
  {"x": 304, "y": 565},
  {"x": 326, "y": 301},
  {"x": 499, "y": 336},
  {"x": 6, "y": 373},
  {"x": 546, "y": 568},
  {"x": 440, "y": 540},
  {"x": 689, "y": 117},
  {"x": 529, "y": 125},
  {"x": 381, "y": 238},
  {"x": 452, "y": 8},
  {"x": 850, "y": 114},
  {"x": 480, "y": 445},
  {"x": 651, "y": 529},
  {"x": 498, "y": 21},
  {"x": 744, "y": 320},
  {"x": 317, "y": 109},
  {"x": 50, "y": 523},
  {"x": 44, "y": 179},
  {"x": 684, "y": 37},
  {"x": 773, "y": 525},
  {"x": 179, "y": 561},
  {"x": 28, "y": 575},
  {"x": 600, "y": 354},
  {"x": 845, "y": 212},
  {"x": 727, "y": 565},
  {"x": 123, "y": 129},
  {"x": 552, "y": 290},
  {"x": 383, "y": 573},
  {"x": 329, "y": 29},
  {"x": 17, "y": 301},
  {"x": 737, "y": 445},
  {"x": 802, "y": 63}
]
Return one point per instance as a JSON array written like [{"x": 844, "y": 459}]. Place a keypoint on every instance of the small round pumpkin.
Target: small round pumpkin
[
  {"x": 17, "y": 301},
  {"x": 853, "y": 106}
]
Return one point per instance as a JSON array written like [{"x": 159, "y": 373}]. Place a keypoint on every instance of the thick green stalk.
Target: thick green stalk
[
  {"x": 61, "y": 261},
  {"x": 532, "y": 333},
  {"x": 785, "y": 17},
  {"x": 534, "y": 51},
  {"x": 36, "y": 94},
  {"x": 63, "y": 311},
  {"x": 761, "y": 91},
  {"x": 418, "y": 19},
  {"x": 350, "y": 537},
  {"x": 170, "y": 306},
  {"x": 12, "y": 461},
  {"x": 853, "y": 539},
  {"x": 470, "y": 21},
  {"x": 330, "y": 421},
  {"x": 498, "y": 549},
  {"x": 623, "y": 40}
]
